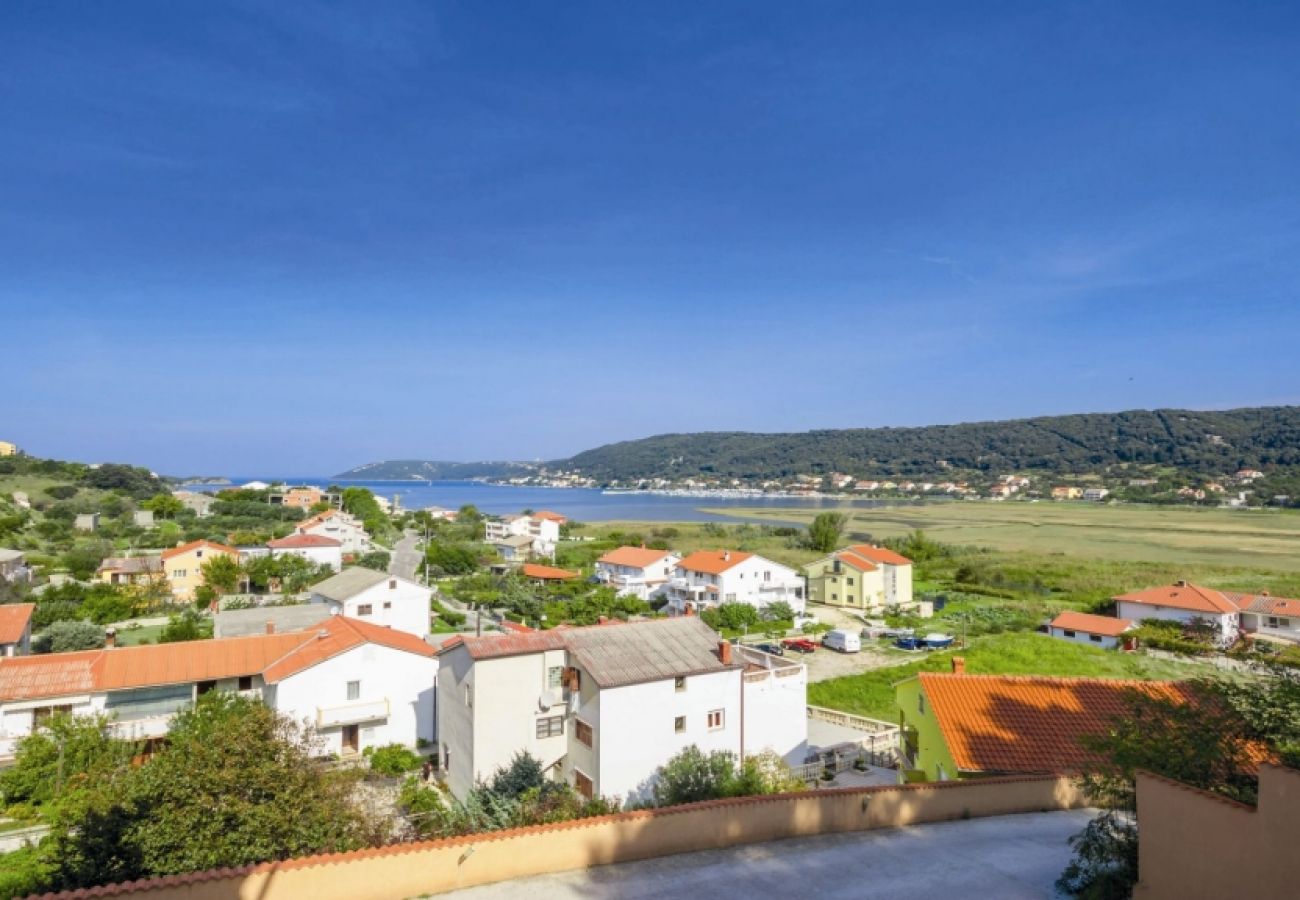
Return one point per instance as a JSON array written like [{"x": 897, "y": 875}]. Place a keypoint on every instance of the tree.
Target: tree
[
  {"x": 63, "y": 637},
  {"x": 65, "y": 752},
  {"x": 777, "y": 611},
  {"x": 692, "y": 776},
  {"x": 825, "y": 531},
  {"x": 454, "y": 559},
  {"x": 233, "y": 785},
  {"x": 188, "y": 626},
  {"x": 221, "y": 573},
  {"x": 164, "y": 506}
]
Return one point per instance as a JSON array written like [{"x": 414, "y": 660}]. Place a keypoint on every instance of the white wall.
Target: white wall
[
  {"x": 1084, "y": 637},
  {"x": 329, "y": 556},
  {"x": 776, "y": 713},
  {"x": 636, "y": 728},
  {"x": 408, "y": 606},
  {"x": 406, "y": 680},
  {"x": 898, "y": 585},
  {"x": 1227, "y": 622}
]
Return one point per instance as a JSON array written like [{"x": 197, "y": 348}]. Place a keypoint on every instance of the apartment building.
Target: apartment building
[
  {"x": 861, "y": 577},
  {"x": 637, "y": 571},
  {"x": 712, "y": 577}
]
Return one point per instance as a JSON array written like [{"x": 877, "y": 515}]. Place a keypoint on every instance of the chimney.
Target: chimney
[
  {"x": 726, "y": 555},
  {"x": 602, "y": 620},
  {"x": 1264, "y": 593},
  {"x": 110, "y": 637},
  {"x": 959, "y": 665},
  {"x": 1180, "y": 583},
  {"x": 270, "y": 626},
  {"x": 724, "y": 652}
]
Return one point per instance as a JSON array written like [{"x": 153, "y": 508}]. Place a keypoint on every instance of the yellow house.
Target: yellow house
[
  {"x": 8, "y": 449},
  {"x": 861, "y": 577},
  {"x": 183, "y": 565},
  {"x": 1064, "y": 492},
  {"x": 133, "y": 570}
]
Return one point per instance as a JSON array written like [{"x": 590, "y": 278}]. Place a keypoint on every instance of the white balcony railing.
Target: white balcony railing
[{"x": 351, "y": 713}]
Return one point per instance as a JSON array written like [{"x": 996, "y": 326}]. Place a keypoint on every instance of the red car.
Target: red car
[{"x": 803, "y": 645}]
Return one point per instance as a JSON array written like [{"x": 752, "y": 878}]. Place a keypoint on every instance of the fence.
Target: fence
[
  {"x": 848, "y": 720},
  {"x": 425, "y": 867}
]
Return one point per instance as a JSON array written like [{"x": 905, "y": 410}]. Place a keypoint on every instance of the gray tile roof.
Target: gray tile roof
[
  {"x": 240, "y": 622},
  {"x": 617, "y": 655},
  {"x": 515, "y": 540},
  {"x": 348, "y": 583}
]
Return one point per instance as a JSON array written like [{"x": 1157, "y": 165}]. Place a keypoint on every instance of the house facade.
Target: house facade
[
  {"x": 356, "y": 684},
  {"x": 637, "y": 571},
  {"x": 317, "y": 550},
  {"x": 183, "y": 566},
  {"x": 16, "y": 629},
  {"x": 139, "y": 571},
  {"x": 195, "y": 502},
  {"x": 861, "y": 577},
  {"x": 1084, "y": 628},
  {"x": 339, "y": 526},
  {"x": 709, "y": 578},
  {"x": 377, "y": 598},
  {"x": 1185, "y": 602},
  {"x": 13, "y": 565},
  {"x": 604, "y": 707},
  {"x": 1269, "y": 618},
  {"x": 543, "y": 533},
  {"x": 304, "y": 497}
]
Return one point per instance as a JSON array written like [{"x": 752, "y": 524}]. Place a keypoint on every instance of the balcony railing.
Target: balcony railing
[{"x": 351, "y": 713}]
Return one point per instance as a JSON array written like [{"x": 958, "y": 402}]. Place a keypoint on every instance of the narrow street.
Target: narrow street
[{"x": 406, "y": 557}]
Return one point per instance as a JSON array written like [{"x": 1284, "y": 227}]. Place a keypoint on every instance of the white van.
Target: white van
[{"x": 843, "y": 640}]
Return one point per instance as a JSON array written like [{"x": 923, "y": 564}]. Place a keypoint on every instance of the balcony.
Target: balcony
[
  {"x": 140, "y": 729},
  {"x": 351, "y": 713}
]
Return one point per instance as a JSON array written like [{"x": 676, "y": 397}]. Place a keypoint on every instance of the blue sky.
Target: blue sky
[{"x": 272, "y": 237}]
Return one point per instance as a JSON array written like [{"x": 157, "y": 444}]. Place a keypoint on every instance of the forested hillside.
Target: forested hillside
[
  {"x": 1196, "y": 442},
  {"x": 432, "y": 470}
]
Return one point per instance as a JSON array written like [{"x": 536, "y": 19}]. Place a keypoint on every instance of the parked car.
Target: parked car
[
  {"x": 843, "y": 640},
  {"x": 802, "y": 645},
  {"x": 774, "y": 649}
]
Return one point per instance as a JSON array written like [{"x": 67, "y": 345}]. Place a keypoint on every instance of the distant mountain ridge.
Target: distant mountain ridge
[
  {"x": 432, "y": 470},
  {"x": 1193, "y": 441}
]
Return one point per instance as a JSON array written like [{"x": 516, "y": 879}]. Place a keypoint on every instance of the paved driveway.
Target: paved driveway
[
  {"x": 406, "y": 556},
  {"x": 1006, "y": 857}
]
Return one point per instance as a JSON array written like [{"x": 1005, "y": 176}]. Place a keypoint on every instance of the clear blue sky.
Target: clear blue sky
[{"x": 292, "y": 237}]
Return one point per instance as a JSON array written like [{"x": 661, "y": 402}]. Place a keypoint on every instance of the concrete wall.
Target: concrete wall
[
  {"x": 776, "y": 710},
  {"x": 408, "y": 870},
  {"x": 1197, "y": 844},
  {"x": 409, "y": 608}
]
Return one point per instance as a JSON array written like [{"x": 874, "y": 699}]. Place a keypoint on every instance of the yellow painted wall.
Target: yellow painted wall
[{"x": 933, "y": 760}]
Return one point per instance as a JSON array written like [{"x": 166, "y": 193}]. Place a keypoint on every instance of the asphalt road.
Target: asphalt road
[
  {"x": 1006, "y": 857},
  {"x": 406, "y": 556}
]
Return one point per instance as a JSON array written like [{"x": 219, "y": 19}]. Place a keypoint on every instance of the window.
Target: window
[
  {"x": 679, "y": 683},
  {"x": 551, "y": 726},
  {"x": 731, "y": 598},
  {"x": 850, "y": 581},
  {"x": 1069, "y": 633},
  {"x": 246, "y": 682},
  {"x": 354, "y": 690},
  {"x": 835, "y": 596},
  {"x": 582, "y": 784},
  {"x": 679, "y": 724},
  {"x": 715, "y": 720},
  {"x": 469, "y": 695},
  {"x": 767, "y": 576},
  {"x": 392, "y": 584},
  {"x": 582, "y": 731},
  {"x": 555, "y": 677},
  {"x": 198, "y": 554},
  {"x": 365, "y": 609},
  {"x": 388, "y": 604},
  {"x": 1095, "y": 638},
  {"x": 205, "y": 686}
]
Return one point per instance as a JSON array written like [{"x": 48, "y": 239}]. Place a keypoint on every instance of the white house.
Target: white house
[
  {"x": 637, "y": 571},
  {"x": 1096, "y": 494},
  {"x": 544, "y": 531},
  {"x": 711, "y": 577},
  {"x": 340, "y": 526},
  {"x": 378, "y": 598},
  {"x": 1266, "y": 617},
  {"x": 317, "y": 550},
  {"x": 357, "y": 685},
  {"x": 16, "y": 628},
  {"x": 604, "y": 707},
  {"x": 1184, "y": 602},
  {"x": 1085, "y": 628}
]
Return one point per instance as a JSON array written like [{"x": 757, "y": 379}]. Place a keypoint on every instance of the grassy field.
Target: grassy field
[
  {"x": 129, "y": 637},
  {"x": 1257, "y": 539},
  {"x": 872, "y": 693}
]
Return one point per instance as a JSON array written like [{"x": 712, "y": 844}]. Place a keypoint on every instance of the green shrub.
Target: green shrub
[{"x": 393, "y": 759}]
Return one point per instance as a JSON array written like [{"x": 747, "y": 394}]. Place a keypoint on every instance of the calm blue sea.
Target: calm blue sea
[{"x": 582, "y": 504}]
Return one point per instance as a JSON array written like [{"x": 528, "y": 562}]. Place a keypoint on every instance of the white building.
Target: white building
[
  {"x": 1184, "y": 602},
  {"x": 1085, "y": 628},
  {"x": 339, "y": 526},
  {"x": 357, "y": 685},
  {"x": 544, "y": 532},
  {"x": 637, "y": 571},
  {"x": 1269, "y": 618},
  {"x": 711, "y": 577},
  {"x": 1096, "y": 494},
  {"x": 317, "y": 550},
  {"x": 604, "y": 707},
  {"x": 378, "y": 598}
]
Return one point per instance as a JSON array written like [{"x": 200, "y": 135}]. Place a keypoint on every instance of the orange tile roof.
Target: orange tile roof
[
  {"x": 879, "y": 555},
  {"x": 1107, "y": 625},
  {"x": 552, "y": 516},
  {"x": 14, "y": 618},
  {"x": 1028, "y": 724},
  {"x": 547, "y": 573},
  {"x": 713, "y": 562},
  {"x": 302, "y": 542},
  {"x": 194, "y": 545},
  {"x": 275, "y": 656},
  {"x": 1183, "y": 595},
  {"x": 633, "y": 557}
]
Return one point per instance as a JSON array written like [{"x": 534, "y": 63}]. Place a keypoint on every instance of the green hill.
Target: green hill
[{"x": 432, "y": 470}]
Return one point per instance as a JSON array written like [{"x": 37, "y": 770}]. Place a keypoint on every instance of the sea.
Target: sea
[{"x": 580, "y": 504}]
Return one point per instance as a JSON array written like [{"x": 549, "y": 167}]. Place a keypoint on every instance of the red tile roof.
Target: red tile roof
[
  {"x": 713, "y": 562},
  {"x": 552, "y": 516},
  {"x": 547, "y": 573},
  {"x": 496, "y": 646},
  {"x": 1028, "y": 724},
  {"x": 194, "y": 545},
  {"x": 14, "y": 618},
  {"x": 878, "y": 555},
  {"x": 275, "y": 656},
  {"x": 633, "y": 557},
  {"x": 1086, "y": 622},
  {"x": 302, "y": 542},
  {"x": 1182, "y": 595}
]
